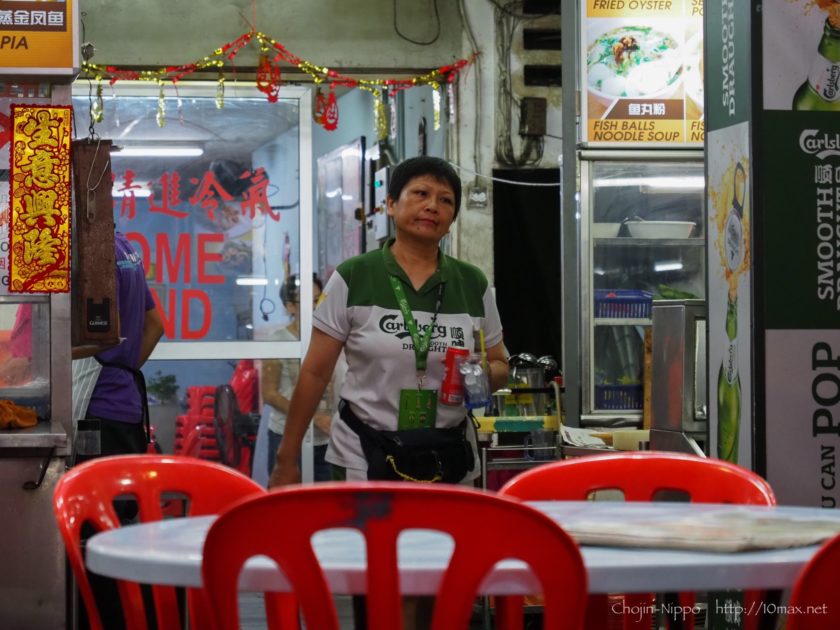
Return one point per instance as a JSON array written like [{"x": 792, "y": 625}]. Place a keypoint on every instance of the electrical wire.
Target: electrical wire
[
  {"x": 474, "y": 51},
  {"x": 414, "y": 41},
  {"x": 266, "y": 305},
  {"x": 532, "y": 148},
  {"x": 505, "y": 181},
  {"x": 524, "y": 16}
]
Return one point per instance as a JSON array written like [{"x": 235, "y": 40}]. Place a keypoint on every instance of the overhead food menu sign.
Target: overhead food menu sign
[
  {"x": 39, "y": 38},
  {"x": 642, "y": 72}
]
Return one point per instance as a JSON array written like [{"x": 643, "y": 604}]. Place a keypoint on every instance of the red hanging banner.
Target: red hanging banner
[{"x": 39, "y": 231}]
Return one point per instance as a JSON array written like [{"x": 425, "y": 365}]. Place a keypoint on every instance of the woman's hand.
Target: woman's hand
[
  {"x": 323, "y": 421},
  {"x": 285, "y": 473}
]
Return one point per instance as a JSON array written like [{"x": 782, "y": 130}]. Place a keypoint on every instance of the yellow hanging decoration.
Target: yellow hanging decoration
[
  {"x": 220, "y": 91},
  {"x": 380, "y": 116},
  {"x": 97, "y": 109},
  {"x": 436, "y": 105},
  {"x": 160, "y": 117}
]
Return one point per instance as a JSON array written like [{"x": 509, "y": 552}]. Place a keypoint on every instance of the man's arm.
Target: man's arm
[
  {"x": 315, "y": 373},
  {"x": 152, "y": 332}
]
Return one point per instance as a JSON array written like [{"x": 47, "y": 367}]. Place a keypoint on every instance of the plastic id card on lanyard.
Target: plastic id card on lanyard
[{"x": 418, "y": 407}]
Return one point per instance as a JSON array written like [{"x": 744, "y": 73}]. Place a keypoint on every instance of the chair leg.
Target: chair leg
[
  {"x": 509, "y": 613},
  {"x": 597, "y": 613},
  {"x": 281, "y": 610},
  {"x": 638, "y": 611}
]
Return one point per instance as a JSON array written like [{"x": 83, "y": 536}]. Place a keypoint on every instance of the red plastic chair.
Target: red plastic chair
[
  {"x": 380, "y": 511},
  {"x": 642, "y": 476},
  {"x": 814, "y": 599},
  {"x": 86, "y": 493}
]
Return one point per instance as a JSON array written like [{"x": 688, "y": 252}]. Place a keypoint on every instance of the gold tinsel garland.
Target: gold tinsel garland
[{"x": 272, "y": 54}]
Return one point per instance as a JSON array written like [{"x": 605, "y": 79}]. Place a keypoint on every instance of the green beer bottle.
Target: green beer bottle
[
  {"x": 821, "y": 91},
  {"x": 729, "y": 389}
]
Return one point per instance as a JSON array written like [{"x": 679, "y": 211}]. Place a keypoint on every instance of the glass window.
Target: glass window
[{"x": 211, "y": 197}]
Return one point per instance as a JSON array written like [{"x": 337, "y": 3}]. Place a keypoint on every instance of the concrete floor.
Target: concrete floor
[{"x": 252, "y": 613}]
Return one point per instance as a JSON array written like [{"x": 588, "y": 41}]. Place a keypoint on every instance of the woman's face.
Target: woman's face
[
  {"x": 424, "y": 210},
  {"x": 293, "y": 308}
]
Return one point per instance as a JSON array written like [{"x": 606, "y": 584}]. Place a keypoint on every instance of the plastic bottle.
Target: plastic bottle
[{"x": 729, "y": 390}]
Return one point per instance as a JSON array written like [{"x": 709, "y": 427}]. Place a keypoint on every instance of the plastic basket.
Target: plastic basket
[
  {"x": 618, "y": 396},
  {"x": 622, "y": 303}
]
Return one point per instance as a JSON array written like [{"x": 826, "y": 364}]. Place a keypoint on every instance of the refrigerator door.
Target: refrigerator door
[{"x": 642, "y": 238}]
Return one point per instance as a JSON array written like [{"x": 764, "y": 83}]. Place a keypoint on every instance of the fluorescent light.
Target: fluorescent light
[
  {"x": 251, "y": 282},
  {"x": 668, "y": 266},
  {"x": 678, "y": 183},
  {"x": 159, "y": 151},
  {"x": 138, "y": 192}
]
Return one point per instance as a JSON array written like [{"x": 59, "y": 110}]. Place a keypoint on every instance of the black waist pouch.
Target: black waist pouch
[{"x": 421, "y": 455}]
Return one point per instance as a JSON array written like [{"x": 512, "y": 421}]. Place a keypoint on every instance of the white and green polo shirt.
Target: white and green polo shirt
[{"x": 358, "y": 307}]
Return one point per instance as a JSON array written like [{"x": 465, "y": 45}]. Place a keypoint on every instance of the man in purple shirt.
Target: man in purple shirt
[
  {"x": 113, "y": 394},
  {"x": 105, "y": 390}
]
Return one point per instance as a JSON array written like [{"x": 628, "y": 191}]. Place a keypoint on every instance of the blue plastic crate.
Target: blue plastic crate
[
  {"x": 618, "y": 397},
  {"x": 623, "y": 303}
]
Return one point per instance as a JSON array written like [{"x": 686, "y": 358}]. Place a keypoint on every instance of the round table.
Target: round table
[{"x": 169, "y": 552}]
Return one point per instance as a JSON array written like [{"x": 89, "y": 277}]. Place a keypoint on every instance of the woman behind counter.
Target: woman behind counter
[
  {"x": 278, "y": 378},
  {"x": 445, "y": 303}
]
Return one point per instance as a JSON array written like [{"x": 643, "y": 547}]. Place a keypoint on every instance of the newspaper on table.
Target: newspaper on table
[
  {"x": 722, "y": 528},
  {"x": 574, "y": 436}
]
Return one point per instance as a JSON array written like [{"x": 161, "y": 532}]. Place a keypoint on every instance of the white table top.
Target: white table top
[{"x": 169, "y": 552}]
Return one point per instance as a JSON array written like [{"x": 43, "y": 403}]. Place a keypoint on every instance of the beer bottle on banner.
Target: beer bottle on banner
[
  {"x": 729, "y": 389},
  {"x": 821, "y": 90}
]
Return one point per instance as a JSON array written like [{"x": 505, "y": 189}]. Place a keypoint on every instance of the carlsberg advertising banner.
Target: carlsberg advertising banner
[
  {"x": 729, "y": 175},
  {"x": 800, "y": 248}
]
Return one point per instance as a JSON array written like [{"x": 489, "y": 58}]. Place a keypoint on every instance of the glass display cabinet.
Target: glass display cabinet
[{"x": 642, "y": 238}]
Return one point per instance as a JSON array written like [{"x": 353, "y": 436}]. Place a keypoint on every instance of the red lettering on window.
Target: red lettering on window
[
  {"x": 187, "y": 296},
  {"x": 256, "y": 195},
  {"x": 128, "y": 202},
  {"x": 181, "y": 261},
  {"x": 170, "y": 196},
  {"x": 206, "y": 192},
  {"x": 205, "y": 257}
]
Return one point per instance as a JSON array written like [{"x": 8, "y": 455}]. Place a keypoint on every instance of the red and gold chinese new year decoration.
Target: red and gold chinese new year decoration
[
  {"x": 39, "y": 234},
  {"x": 272, "y": 54}
]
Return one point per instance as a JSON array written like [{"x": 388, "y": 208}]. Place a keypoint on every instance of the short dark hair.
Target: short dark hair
[
  {"x": 438, "y": 168},
  {"x": 290, "y": 289}
]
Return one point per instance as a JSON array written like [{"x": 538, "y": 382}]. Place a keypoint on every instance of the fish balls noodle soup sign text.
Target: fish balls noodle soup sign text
[{"x": 643, "y": 72}]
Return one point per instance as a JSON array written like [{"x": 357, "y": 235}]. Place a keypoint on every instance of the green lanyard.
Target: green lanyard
[{"x": 421, "y": 344}]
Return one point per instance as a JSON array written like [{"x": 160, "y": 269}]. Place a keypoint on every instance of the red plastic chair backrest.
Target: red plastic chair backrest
[
  {"x": 640, "y": 476},
  {"x": 85, "y": 494},
  {"x": 814, "y": 603},
  {"x": 485, "y": 528}
]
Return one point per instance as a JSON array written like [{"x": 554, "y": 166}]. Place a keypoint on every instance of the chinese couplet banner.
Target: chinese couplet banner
[{"x": 39, "y": 233}]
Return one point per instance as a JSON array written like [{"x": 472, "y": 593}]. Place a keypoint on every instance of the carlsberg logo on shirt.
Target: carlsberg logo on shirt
[{"x": 394, "y": 325}]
